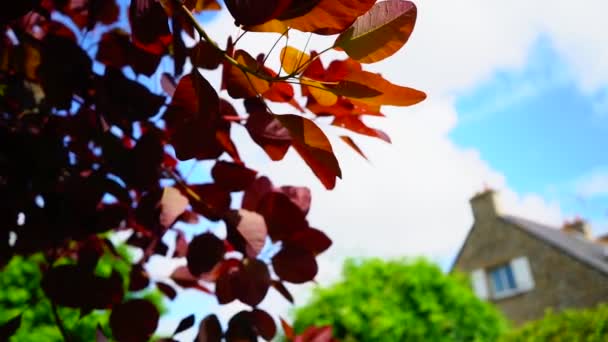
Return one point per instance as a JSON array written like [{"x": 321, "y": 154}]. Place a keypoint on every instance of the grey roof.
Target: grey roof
[{"x": 588, "y": 252}]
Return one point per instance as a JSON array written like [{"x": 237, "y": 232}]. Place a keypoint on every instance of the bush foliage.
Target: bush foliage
[
  {"x": 582, "y": 325},
  {"x": 401, "y": 300}
]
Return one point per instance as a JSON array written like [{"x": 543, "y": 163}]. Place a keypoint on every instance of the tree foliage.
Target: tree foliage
[
  {"x": 85, "y": 148},
  {"x": 400, "y": 301},
  {"x": 589, "y": 325}
]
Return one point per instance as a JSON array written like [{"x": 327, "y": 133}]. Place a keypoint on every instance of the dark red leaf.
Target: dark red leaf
[
  {"x": 282, "y": 216},
  {"x": 15, "y": 9},
  {"x": 193, "y": 117},
  {"x": 266, "y": 130},
  {"x": 311, "y": 239},
  {"x": 138, "y": 278},
  {"x": 209, "y": 330},
  {"x": 167, "y": 82},
  {"x": 227, "y": 283},
  {"x": 204, "y": 252},
  {"x": 246, "y": 12},
  {"x": 231, "y": 176},
  {"x": 185, "y": 324},
  {"x": 241, "y": 328},
  {"x": 167, "y": 289},
  {"x": 214, "y": 201},
  {"x": 264, "y": 324},
  {"x": 254, "y": 193},
  {"x": 117, "y": 51},
  {"x": 65, "y": 70},
  {"x": 295, "y": 264},
  {"x": 206, "y": 56},
  {"x": 78, "y": 287},
  {"x": 253, "y": 281},
  {"x": 280, "y": 287},
  {"x": 149, "y": 26},
  {"x": 134, "y": 320}
]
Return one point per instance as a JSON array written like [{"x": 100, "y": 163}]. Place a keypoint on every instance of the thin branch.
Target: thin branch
[
  {"x": 59, "y": 322},
  {"x": 239, "y": 37},
  {"x": 274, "y": 45}
]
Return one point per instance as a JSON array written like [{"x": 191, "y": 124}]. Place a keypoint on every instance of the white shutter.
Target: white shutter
[
  {"x": 522, "y": 273},
  {"x": 480, "y": 285}
]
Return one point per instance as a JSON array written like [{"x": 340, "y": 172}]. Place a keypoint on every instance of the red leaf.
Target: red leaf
[
  {"x": 287, "y": 329},
  {"x": 209, "y": 330},
  {"x": 253, "y": 281},
  {"x": 231, "y": 176},
  {"x": 168, "y": 83},
  {"x": 138, "y": 278},
  {"x": 124, "y": 325},
  {"x": 266, "y": 130},
  {"x": 149, "y": 26},
  {"x": 282, "y": 216},
  {"x": 167, "y": 289},
  {"x": 330, "y": 16},
  {"x": 316, "y": 334},
  {"x": 314, "y": 147},
  {"x": 241, "y": 328},
  {"x": 280, "y": 287},
  {"x": 349, "y": 141},
  {"x": 311, "y": 239},
  {"x": 193, "y": 117},
  {"x": 254, "y": 193},
  {"x": 355, "y": 124},
  {"x": 204, "y": 252},
  {"x": 206, "y": 56},
  {"x": 299, "y": 195},
  {"x": 214, "y": 201},
  {"x": 247, "y": 12},
  {"x": 264, "y": 324},
  {"x": 294, "y": 264}
]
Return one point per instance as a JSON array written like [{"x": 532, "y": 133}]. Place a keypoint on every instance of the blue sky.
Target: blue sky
[{"x": 539, "y": 129}]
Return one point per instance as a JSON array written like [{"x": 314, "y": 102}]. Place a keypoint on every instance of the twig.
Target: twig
[{"x": 59, "y": 322}]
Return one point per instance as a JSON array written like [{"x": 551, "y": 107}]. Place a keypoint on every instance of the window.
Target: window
[{"x": 502, "y": 280}]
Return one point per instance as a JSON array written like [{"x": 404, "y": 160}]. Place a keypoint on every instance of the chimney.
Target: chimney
[
  {"x": 485, "y": 206},
  {"x": 577, "y": 227},
  {"x": 602, "y": 240}
]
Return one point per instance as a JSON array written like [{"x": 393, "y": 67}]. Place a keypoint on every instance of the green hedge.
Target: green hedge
[
  {"x": 583, "y": 325},
  {"x": 401, "y": 300}
]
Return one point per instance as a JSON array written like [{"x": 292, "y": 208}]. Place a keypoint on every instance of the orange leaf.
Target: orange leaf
[
  {"x": 355, "y": 124},
  {"x": 380, "y": 32},
  {"x": 330, "y": 16},
  {"x": 273, "y": 25},
  {"x": 241, "y": 84},
  {"x": 293, "y": 59},
  {"x": 390, "y": 94},
  {"x": 349, "y": 141},
  {"x": 314, "y": 147}
]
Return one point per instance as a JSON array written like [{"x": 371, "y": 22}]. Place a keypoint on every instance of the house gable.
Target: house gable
[{"x": 560, "y": 280}]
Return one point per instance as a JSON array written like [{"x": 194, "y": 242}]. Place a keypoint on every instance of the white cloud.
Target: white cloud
[
  {"x": 412, "y": 198},
  {"x": 594, "y": 184}
]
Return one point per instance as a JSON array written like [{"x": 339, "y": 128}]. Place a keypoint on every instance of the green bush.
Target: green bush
[
  {"x": 20, "y": 293},
  {"x": 401, "y": 300},
  {"x": 588, "y": 325}
]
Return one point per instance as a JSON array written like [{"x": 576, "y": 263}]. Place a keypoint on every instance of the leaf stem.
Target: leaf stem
[{"x": 59, "y": 322}]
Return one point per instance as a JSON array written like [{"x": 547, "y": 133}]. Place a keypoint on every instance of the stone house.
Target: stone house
[{"x": 524, "y": 267}]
